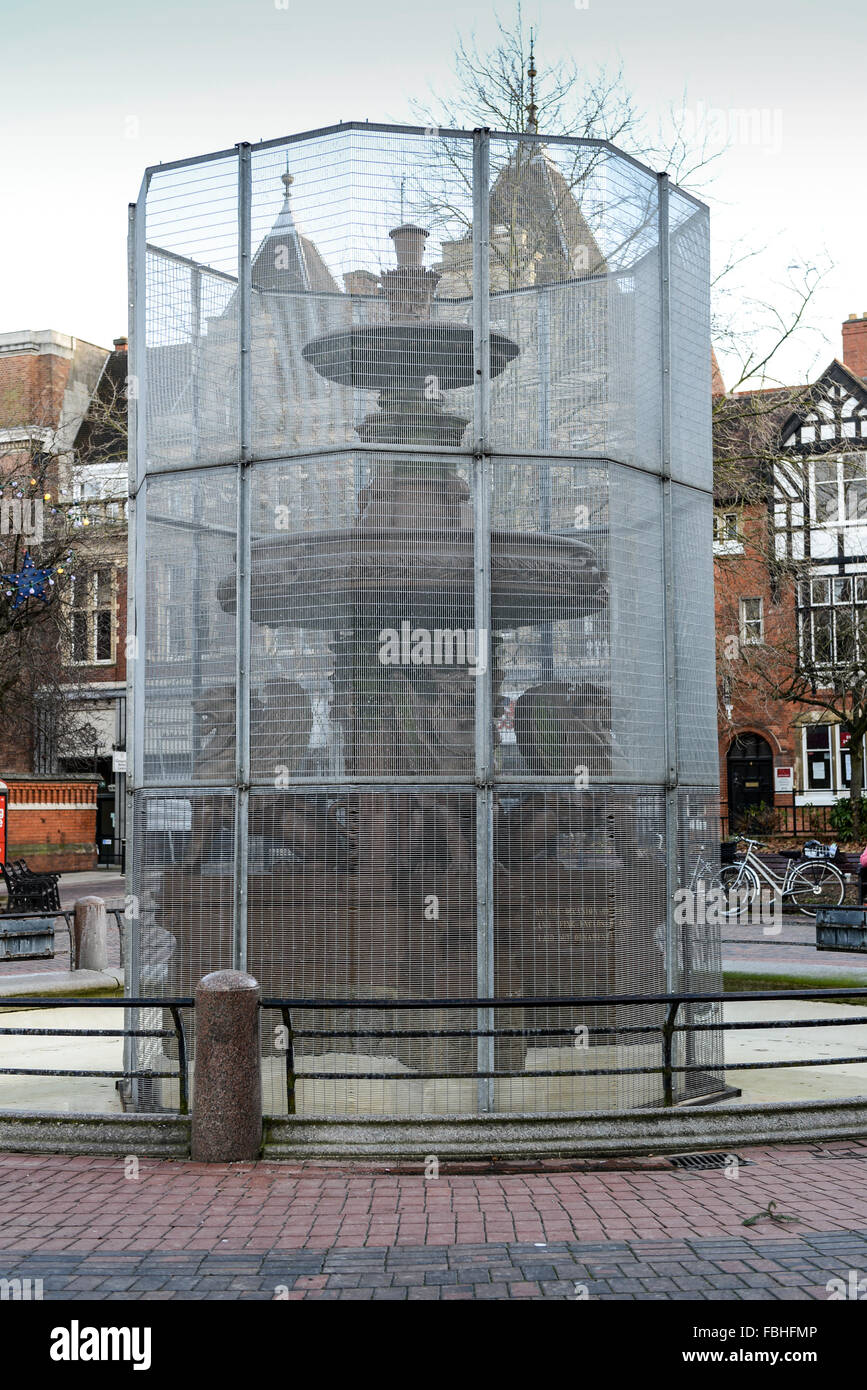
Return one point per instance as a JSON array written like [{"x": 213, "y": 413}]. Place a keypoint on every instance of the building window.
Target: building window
[
  {"x": 832, "y": 620},
  {"x": 91, "y": 599},
  {"x": 817, "y": 757},
  {"x": 727, "y": 538},
  {"x": 826, "y": 501},
  {"x": 99, "y": 493},
  {"x": 854, "y": 481},
  {"x": 752, "y": 621},
  {"x": 846, "y": 759},
  {"x": 839, "y": 489}
]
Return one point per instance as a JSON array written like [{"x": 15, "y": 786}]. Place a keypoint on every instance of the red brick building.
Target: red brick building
[{"x": 804, "y": 472}]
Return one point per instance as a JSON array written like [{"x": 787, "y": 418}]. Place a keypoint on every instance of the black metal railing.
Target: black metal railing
[
  {"x": 667, "y": 1029},
  {"x": 669, "y": 1026},
  {"x": 177, "y": 1031},
  {"x": 786, "y": 819}
]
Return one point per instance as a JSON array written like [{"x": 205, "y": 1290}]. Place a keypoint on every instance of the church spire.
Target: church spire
[{"x": 532, "y": 124}]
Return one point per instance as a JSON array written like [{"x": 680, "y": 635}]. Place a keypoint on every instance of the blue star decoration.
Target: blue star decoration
[{"x": 29, "y": 582}]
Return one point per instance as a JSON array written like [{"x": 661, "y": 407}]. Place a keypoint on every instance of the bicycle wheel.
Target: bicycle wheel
[
  {"x": 740, "y": 885},
  {"x": 814, "y": 885}
]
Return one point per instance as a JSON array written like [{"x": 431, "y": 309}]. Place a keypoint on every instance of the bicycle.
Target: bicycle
[
  {"x": 810, "y": 884},
  {"x": 703, "y": 871}
]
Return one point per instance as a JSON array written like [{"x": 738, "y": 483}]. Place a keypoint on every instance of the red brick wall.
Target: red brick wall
[
  {"x": 855, "y": 345},
  {"x": 746, "y": 576},
  {"x": 31, "y": 388},
  {"x": 52, "y": 822}
]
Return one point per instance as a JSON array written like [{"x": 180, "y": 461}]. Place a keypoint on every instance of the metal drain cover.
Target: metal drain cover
[{"x": 703, "y": 1162}]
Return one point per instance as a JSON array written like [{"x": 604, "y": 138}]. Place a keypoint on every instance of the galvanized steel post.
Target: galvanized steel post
[
  {"x": 668, "y": 598},
  {"x": 482, "y": 487},
  {"x": 242, "y": 615},
  {"x": 136, "y": 604}
]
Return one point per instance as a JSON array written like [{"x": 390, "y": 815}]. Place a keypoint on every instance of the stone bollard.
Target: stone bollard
[
  {"x": 227, "y": 1086},
  {"x": 90, "y": 935}
]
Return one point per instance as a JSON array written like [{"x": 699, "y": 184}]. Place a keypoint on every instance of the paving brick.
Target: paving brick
[
  {"x": 241, "y": 1232},
  {"x": 491, "y": 1291}
]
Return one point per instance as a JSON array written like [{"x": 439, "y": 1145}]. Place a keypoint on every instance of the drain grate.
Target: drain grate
[{"x": 703, "y": 1162}]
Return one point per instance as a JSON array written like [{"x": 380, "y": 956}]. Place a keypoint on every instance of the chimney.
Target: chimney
[
  {"x": 855, "y": 344},
  {"x": 121, "y": 344}
]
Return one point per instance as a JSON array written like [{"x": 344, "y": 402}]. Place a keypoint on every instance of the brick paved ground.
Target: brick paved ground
[
  {"x": 794, "y": 946},
  {"x": 185, "y": 1230},
  {"x": 710, "y": 1270}
]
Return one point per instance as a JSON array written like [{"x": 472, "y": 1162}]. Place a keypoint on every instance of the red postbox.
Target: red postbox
[{"x": 4, "y": 801}]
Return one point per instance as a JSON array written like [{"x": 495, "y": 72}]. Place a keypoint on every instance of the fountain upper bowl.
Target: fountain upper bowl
[{"x": 391, "y": 356}]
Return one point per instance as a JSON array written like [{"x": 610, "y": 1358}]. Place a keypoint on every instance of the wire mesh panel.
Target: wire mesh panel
[
  {"x": 370, "y": 896},
  {"x": 439, "y": 646},
  {"x": 689, "y": 254},
  {"x": 636, "y": 622},
  {"x": 364, "y": 655},
  {"x": 550, "y": 610},
  {"x": 698, "y": 752},
  {"x": 190, "y": 364},
  {"x": 182, "y": 925},
  {"x": 697, "y": 948},
  {"x": 579, "y": 910},
  {"x": 189, "y": 652},
  {"x": 356, "y": 296},
  {"x": 574, "y": 283}
]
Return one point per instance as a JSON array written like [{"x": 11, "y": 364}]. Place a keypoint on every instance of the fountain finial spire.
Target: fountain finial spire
[{"x": 532, "y": 124}]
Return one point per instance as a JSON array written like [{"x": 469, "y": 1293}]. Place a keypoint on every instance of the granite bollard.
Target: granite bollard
[
  {"x": 90, "y": 935},
  {"x": 227, "y": 1087}
]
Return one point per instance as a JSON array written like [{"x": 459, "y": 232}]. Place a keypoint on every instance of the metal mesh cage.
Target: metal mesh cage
[{"x": 423, "y": 703}]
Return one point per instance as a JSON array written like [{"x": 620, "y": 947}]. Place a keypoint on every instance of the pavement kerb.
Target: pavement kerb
[{"x": 63, "y": 984}]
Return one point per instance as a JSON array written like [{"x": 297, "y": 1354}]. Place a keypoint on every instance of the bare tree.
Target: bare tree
[
  {"x": 500, "y": 87},
  {"x": 792, "y": 656},
  {"x": 48, "y": 546},
  {"x": 497, "y": 88}
]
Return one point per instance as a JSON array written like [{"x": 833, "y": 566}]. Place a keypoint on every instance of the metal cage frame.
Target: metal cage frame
[{"x": 482, "y": 454}]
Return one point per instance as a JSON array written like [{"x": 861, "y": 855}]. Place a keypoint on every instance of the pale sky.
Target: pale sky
[{"x": 96, "y": 91}]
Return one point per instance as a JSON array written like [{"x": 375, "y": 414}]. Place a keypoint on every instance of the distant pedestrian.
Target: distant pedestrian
[{"x": 862, "y": 877}]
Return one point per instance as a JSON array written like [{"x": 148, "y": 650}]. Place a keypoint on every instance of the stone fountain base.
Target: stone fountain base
[{"x": 344, "y": 934}]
